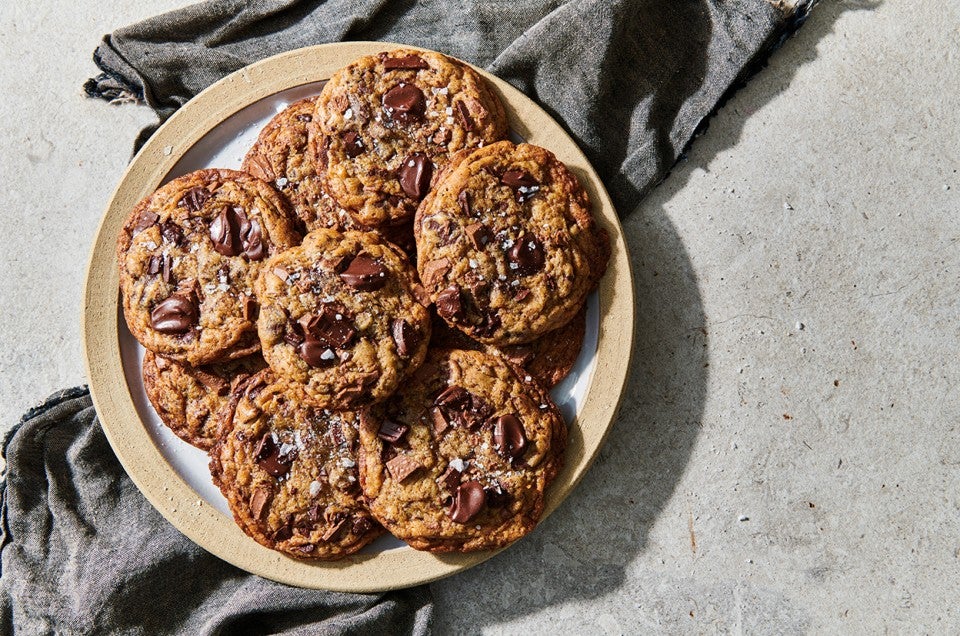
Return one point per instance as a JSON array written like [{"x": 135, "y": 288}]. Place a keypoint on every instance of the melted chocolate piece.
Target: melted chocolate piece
[
  {"x": 463, "y": 113},
  {"x": 464, "y": 200},
  {"x": 509, "y": 439},
  {"x": 175, "y": 314},
  {"x": 251, "y": 237},
  {"x": 449, "y": 305},
  {"x": 268, "y": 457},
  {"x": 250, "y": 308},
  {"x": 154, "y": 265},
  {"x": 225, "y": 232},
  {"x": 523, "y": 184},
  {"x": 527, "y": 254},
  {"x": 391, "y": 431},
  {"x": 259, "y": 501},
  {"x": 433, "y": 271},
  {"x": 145, "y": 220},
  {"x": 194, "y": 198},
  {"x": 353, "y": 144},
  {"x": 364, "y": 273},
  {"x": 450, "y": 478},
  {"x": 480, "y": 235},
  {"x": 315, "y": 352},
  {"x": 497, "y": 496},
  {"x": 405, "y": 103},
  {"x": 468, "y": 502},
  {"x": 171, "y": 233},
  {"x": 415, "y": 174},
  {"x": 407, "y": 63},
  {"x": 405, "y": 336},
  {"x": 402, "y": 466}
]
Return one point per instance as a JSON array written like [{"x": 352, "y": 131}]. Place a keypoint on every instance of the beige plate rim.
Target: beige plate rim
[{"x": 157, "y": 480}]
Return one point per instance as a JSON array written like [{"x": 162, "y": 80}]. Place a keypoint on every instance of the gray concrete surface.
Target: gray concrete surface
[{"x": 787, "y": 457}]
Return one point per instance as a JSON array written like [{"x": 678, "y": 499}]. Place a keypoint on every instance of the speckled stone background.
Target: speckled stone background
[{"x": 787, "y": 459}]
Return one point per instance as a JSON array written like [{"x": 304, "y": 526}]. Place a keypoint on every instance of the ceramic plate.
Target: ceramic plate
[{"x": 215, "y": 129}]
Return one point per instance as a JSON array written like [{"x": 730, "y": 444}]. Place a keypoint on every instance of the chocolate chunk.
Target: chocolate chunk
[
  {"x": 313, "y": 513},
  {"x": 402, "y": 466},
  {"x": 155, "y": 264},
  {"x": 497, "y": 496},
  {"x": 521, "y": 294},
  {"x": 258, "y": 166},
  {"x": 306, "y": 548},
  {"x": 521, "y": 355},
  {"x": 338, "y": 264},
  {"x": 480, "y": 235},
  {"x": 406, "y": 62},
  {"x": 167, "y": 274},
  {"x": 304, "y": 117},
  {"x": 251, "y": 238},
  {"x": 405, "y": 336},
  {"x": 468, "y": 502},
  {"x": 332, "y": 530},
  {"x": 353, "y": 144},
  {"x": 405, "y": 103},
  {"x": 518, "y": 179},
  {"x": 315, "y": 352},
  {"x": 449, "y": 305},
  {"x": 285, "y": 531},
  {"x": 361, "y": 526},
  {"x": 527, "y": 255},
  {"x": 391, "y": 431},
  {"x": 450, "y": 478},
  {"x": 440, "y": 423},
  {"x": 508, "y": 436},
  {"x": 194, "y": 198},
  {"x": 211, "y": 381},
  {"x": 454, "y": 398},
  {"x": 433, "y": 271},
  {"x": 258, "y": 501},
  {"x": 464, "y": 200},
  {"x": 463, "y": 114},
  {"x": 293, "y": 338},
  {"x": 488, "y": 325},
  {"x": 364, "y": 273},
  {"x": 524, "y": 186},
  {"x": 225, "y": 232},
  {"x": 145, "y": 220},
  {"x": 323, "y": 153},
  {"x": 171, "y": 233},
  {"x": 175, "y": 314},
  {"x": 415, "y": 174},
  {"x": 268, "y": 457},
  {"x": 250, "y": 308}
]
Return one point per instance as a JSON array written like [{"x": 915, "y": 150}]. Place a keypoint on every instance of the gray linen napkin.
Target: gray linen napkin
[
  {"x": 633, "y": 81},
  {"x": 84, "y": 553}
]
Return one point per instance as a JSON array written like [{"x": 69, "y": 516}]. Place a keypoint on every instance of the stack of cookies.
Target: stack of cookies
[{"x": 362, "y": 326}]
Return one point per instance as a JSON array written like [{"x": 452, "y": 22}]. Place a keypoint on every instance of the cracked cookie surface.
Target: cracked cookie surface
[
  {"x": 289, "y": 471},
  {"x": 343, "y": 315},
  {"x": 188, "y": 255},
  {"x": 391, "y": 121},
  {"x": 190, "y": 400},
  {"x": 462, "y": 456},
  {"x": 507, "y": 246},
  {"x": 285, "y": 155}
]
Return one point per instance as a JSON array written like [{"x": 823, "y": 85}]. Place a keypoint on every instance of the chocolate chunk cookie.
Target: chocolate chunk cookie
[
  {"x": 506, "y": 244},
  {"x": 548, "y": 359},
  {"x": 391, "y": 121},
  {"x": 188, "y": 256},
  {"x": 190, "y": 400},
  {"x": 463, "y": 455},
  {"x": 344, "y": 315},
  {"x": 289, "y": 471},
  {"x": 285, "y": 155}
]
